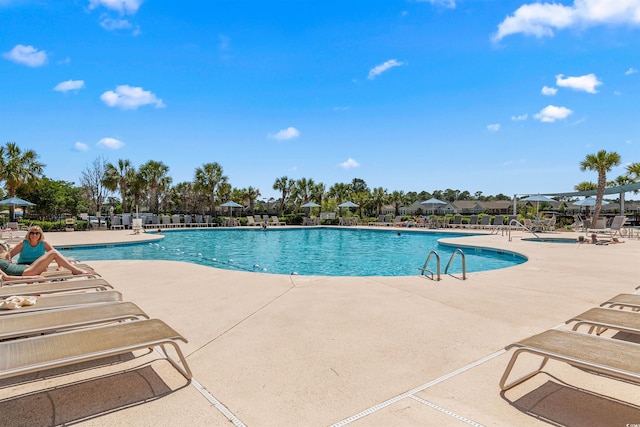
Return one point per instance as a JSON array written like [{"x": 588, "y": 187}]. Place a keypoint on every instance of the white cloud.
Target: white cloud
[
  {"x": 630, "y": 71},
  {"x": 494, "y": 127},
  {"x": 586, "y": 83},
  {"x": 110, "y": 143},
  {"x": 520, "y": 118},
  {"x": 80, "y": 146},
  {"x": 379, "y": 69},
  {"x": 445, "y": 3},
  {"x": 549, "y": 91},
  {"x": 541, "y": 19},
  {"x": 27, "y": 55},
  {"x": 551, "y": 113},
  {"x": 349, "y": 164},
  {"x": 129, "y": 7},
  {"x": 286, "y": 134},
  {"x": 69, "y": 85},
  {"x": 130, "y": 98},
  {"x": 111, "y": 24}
]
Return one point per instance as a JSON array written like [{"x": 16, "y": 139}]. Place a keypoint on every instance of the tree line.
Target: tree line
[{"x": 121, "y": 187}]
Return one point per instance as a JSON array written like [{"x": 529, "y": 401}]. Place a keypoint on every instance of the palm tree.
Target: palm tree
[
  {"x": 137, "y": 187},
  {"x": 339, "y": 191},
  {"x": 620, "y": 181},
  {"x": 208, "y": 179},
  {"x": 633, "y": 171},
  {"x": 379, "y": 198},
  {"x": 18, "y": 168},
  {"x": 317, "y": 193},
  {"x": 155, "y": 174},
  {"x": 251, "y": 194},
  {"x": 116, "y": 177},
  {"x": 284, "y": 185},
  {"x": 397, "y": 198},
  {"x": 586, "y": 186},
  {"x": 302, "y": 191},
  {"x": 601, "y": 162}
]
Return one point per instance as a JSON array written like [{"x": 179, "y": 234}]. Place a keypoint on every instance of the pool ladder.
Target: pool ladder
[
  {"x": 516, "y": 224},
  {"x": 424, "y": 268}
]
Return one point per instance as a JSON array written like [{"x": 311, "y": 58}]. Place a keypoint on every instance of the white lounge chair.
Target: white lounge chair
[
  {"x": 71, "y": 347},
  {"x": 612, "y": 357},
  {"x": 276, "y": 221}
]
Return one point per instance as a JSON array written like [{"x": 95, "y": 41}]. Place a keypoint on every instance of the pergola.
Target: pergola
[{"x": 609, "y": 190}]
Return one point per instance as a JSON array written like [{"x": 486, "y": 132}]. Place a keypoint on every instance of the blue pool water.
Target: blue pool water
[
  {"x": 304, "y": 251},
  {"x": 550, "y": 240}
]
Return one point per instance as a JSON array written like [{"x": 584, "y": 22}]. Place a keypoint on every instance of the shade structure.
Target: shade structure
[
  {"x": 536, "y": 198},
  {"x": 231, "y": 204},
  {"x": 589, "y": 201},
  {"x": 16, "y": 201},
  {"x": 13, "y": 202},
  {"x": 347, "y": 205},
  {"x": 311, "y": 205},
  {"x": 433, "y": 202}
]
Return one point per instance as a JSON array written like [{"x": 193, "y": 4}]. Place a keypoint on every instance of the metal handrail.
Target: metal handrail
[
  {"x": 518, "y": 223},
  {"x": 464, "y": 263},
  {"x": 426, "y": 263}
]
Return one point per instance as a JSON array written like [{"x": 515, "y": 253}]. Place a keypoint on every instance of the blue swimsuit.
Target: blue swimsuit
[{"x": 29, "y": 253}]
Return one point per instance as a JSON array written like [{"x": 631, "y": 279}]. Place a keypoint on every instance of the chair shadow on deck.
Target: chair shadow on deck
[
  {"x": 561, "y": 404},
  {"x": 85, "y": 399}
]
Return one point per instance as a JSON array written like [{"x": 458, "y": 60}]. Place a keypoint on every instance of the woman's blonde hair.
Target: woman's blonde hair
[{"x": 39, "y": 230}]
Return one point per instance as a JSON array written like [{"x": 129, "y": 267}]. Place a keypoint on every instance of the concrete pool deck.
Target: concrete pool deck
[{"x": 280, "y": 350}]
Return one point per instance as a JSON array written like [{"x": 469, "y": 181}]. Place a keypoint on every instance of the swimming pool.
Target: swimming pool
[{"x": 304, "y": 251}]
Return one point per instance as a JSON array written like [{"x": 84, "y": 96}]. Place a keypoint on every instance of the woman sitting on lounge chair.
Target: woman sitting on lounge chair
[
  {"x": 31, "y": 248},
  {"x": 10, "y": 271}
]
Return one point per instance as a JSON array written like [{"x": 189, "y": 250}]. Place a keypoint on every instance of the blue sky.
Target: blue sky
[{"x": 497, "y": 96}]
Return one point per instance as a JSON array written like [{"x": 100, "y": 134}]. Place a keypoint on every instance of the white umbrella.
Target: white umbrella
[{"x": 433, "y": 202}]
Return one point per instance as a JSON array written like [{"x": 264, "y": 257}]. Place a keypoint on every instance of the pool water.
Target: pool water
[
  {"x": 304, "y": 251},
  {"x": 550, "y": 240}
]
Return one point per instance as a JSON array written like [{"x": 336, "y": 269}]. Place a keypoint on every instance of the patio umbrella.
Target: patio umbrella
[
  {"x": 231, "y": 204},
  {"x": 589, "y": 201},
  {"x": 347, "y": 204},
  {"x": 13, "y": 202},
  {"x": 537, "y": 198},
  {"x": 310, "y": 205},
  {"x": 433, "y": 202}
]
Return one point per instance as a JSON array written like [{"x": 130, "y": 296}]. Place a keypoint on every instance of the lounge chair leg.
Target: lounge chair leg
[
  {"x": 505, "y": 376},
  {"x": 184, "y": 369}
]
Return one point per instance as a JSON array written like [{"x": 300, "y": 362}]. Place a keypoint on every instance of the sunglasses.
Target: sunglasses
[{"x": 37, "y": 233}]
